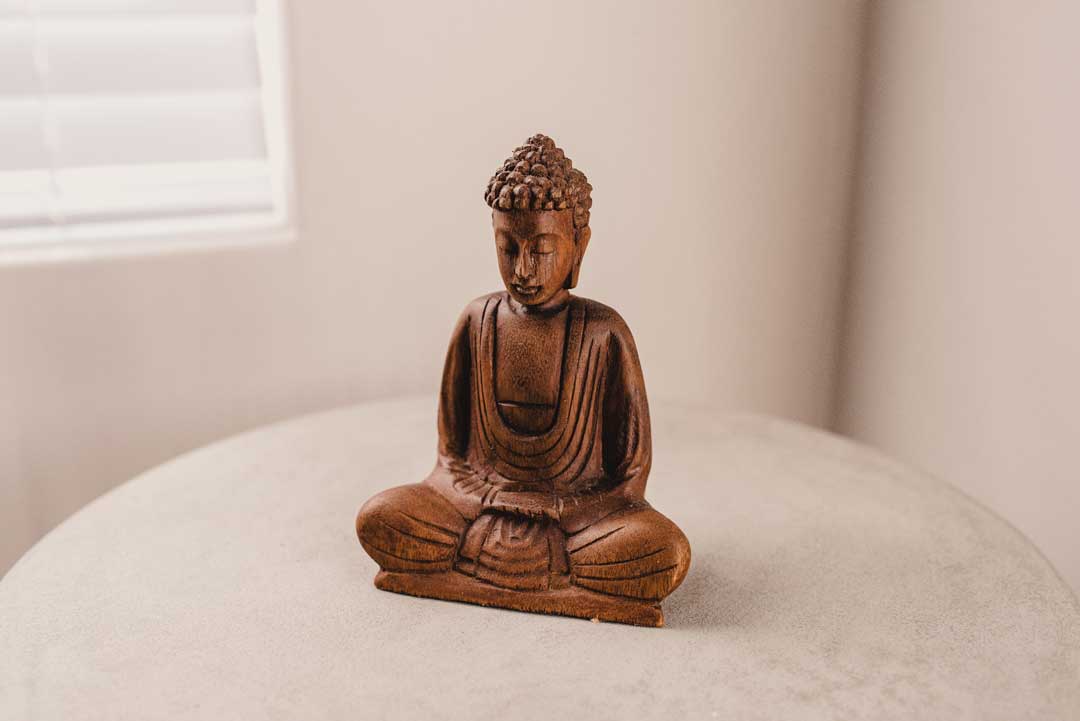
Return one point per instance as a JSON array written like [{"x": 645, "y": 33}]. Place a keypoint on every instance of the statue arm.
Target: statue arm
[
  {"x": 453, "y": 476},
  {"x": 627, "y": 437}
]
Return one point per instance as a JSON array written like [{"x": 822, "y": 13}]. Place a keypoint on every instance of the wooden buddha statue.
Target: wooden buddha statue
[{"x": 537, "y": 500}]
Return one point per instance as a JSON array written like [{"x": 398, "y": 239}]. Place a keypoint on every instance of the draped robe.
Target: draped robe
[{"x": 596, "y": 455}]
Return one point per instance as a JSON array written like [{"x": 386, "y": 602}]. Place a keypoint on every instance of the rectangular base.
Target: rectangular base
[{"x": 571, "y": 601}]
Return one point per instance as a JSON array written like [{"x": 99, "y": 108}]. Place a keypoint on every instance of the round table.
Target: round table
[{"x": 828, "y": 582}]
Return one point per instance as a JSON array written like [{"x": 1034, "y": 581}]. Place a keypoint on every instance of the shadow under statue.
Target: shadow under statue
[{"x": 537, "y": 500}]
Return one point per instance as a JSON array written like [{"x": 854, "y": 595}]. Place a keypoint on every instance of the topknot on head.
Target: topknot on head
[{"x": 539, "y": 176}]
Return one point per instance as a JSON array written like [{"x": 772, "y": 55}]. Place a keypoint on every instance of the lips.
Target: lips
[{"x": 526, "y": 290}]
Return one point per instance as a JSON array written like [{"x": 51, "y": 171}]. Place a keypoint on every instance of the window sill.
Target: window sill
[{"x": 64, "y": 245}]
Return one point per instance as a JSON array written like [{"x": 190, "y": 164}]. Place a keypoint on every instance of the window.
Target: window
[{"x": 130, "y": 121}]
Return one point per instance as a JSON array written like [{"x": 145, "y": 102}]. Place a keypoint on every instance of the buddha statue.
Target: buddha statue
[{"x": 537, "y": 498}]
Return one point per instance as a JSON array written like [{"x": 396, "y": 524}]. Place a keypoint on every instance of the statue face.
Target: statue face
[{"x": 536, "y": 252}]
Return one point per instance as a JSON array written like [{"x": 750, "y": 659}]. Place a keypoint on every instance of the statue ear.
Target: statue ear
[{"x": 581, "y": 243}]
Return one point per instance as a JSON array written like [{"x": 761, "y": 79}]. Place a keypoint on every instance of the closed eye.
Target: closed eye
[
  {"x": 545, "y": 245},
  {"x": 506, "y": 244}
]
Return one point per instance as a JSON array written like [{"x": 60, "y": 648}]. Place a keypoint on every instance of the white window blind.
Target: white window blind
[{"x": 140, "y": 118}]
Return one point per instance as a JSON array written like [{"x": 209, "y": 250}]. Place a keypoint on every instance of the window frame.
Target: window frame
[{"x": 91, "y": 241}]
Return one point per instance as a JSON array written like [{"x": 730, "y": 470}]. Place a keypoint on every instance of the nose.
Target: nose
[{"x": 523, "y": 266}]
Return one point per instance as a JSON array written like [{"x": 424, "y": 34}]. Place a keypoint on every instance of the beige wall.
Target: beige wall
[
  {"x": 718, "y": 137},
  {"x": 963, "y": 348}
]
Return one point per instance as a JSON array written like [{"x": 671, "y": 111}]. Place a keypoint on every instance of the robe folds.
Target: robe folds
[{"x": 595, "y": 457}]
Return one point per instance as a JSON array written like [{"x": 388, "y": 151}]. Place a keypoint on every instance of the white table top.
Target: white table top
[{"x": 827, "y": 582}]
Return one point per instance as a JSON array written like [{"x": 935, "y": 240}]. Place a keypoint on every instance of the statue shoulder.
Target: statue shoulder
[
  {"x": 605, "y": 318},
  {"x": 475, "y": 307}
]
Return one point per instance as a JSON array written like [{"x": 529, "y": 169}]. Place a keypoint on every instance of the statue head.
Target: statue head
[{"x": 540, "y": 213}]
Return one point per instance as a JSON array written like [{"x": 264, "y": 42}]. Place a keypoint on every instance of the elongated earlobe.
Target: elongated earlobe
[{"x": 581, "y": 243}]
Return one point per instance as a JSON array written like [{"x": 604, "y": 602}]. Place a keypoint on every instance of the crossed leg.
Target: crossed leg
[
  {"x": 636, "y": 553},
  {"x": 410, "y": 529}
]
